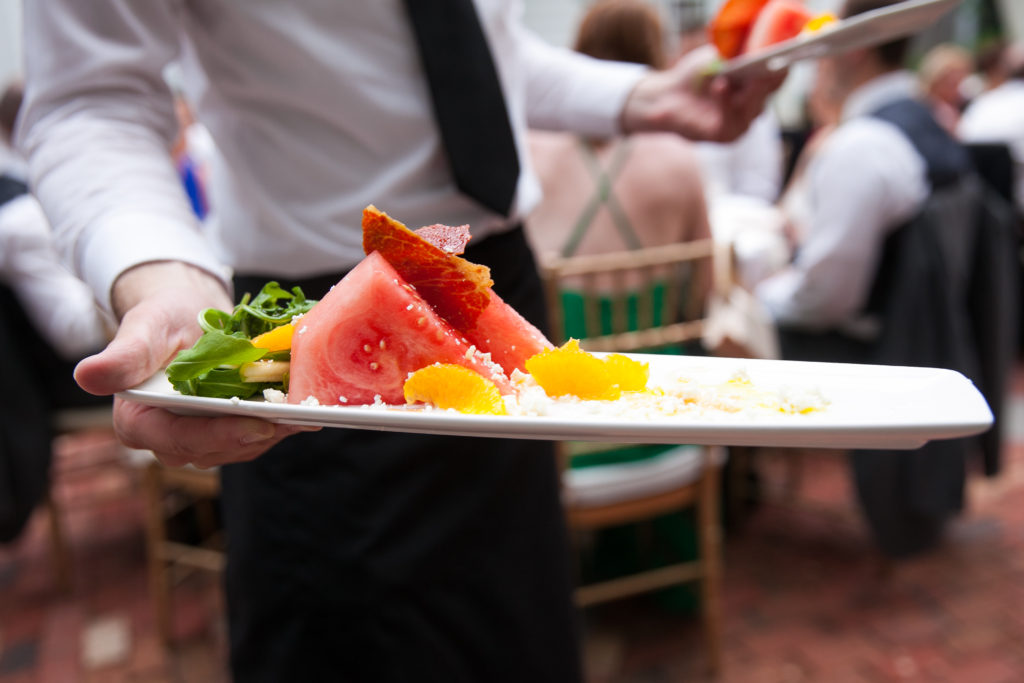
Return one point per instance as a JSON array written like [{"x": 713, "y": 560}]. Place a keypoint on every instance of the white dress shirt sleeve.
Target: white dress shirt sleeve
[
  {"x": 569, "y": 91},
  {"x": 60, "y": 305},
  {"x": 96, "y": 127},
  {"x": 866, "y": 180}
]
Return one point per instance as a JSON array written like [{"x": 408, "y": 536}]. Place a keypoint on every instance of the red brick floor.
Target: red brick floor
[{"x": 806, "y": 597}]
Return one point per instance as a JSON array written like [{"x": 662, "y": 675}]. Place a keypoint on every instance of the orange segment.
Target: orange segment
[
  {"x": 277, "y": 339},
  {"x": 819, "y": 22},
  {"x": 447, "y": 386},
  {"x": 569, "y": 370},
  {"x": 629, "y": 374}
]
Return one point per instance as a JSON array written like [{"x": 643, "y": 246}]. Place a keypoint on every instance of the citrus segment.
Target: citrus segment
[
  {"x": 450, "y": 386},
  {"x": 819, "y": 22},
  {"x": 571, "y": 370},
  {"x": 629, "y": 374},
  {"x": 277, "y": 339}
]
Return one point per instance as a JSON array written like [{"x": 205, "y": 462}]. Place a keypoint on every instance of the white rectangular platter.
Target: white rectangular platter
[
  {"x": 876, "y": 407},
  {"x": 863, "y": 30}
]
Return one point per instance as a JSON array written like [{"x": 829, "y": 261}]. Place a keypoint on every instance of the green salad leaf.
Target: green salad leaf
[{"x": 211, "y": 366}]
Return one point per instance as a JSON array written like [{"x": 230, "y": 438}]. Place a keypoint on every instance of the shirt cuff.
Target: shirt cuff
[
  {"x": 129, "y": 239},
  {"x": 600, "y": 100}
]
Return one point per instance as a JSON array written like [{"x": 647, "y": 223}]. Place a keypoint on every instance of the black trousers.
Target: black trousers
[{"x": 367, "y": 556}]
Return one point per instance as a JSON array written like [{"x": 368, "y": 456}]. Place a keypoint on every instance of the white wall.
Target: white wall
[{"x": 10, "y": 40}]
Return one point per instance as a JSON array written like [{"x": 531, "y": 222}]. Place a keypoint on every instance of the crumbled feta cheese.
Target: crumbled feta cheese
[{"x": 273, "y": 395}]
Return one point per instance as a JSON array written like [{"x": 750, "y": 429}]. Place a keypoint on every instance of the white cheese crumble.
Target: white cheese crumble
[{"x": 274, "y": 396}]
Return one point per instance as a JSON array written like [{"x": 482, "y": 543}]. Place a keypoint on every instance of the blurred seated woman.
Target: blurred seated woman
[
  {"x": 619, "y": 193},
  {"x": 943, "y": 74},
  {"x": 610, "y": 195}
]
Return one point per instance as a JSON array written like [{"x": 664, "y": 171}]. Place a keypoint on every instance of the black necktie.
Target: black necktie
[{"x": 468, "y": 103}]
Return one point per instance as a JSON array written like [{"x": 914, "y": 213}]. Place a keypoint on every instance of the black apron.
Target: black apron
[{"x": 372, "y": 556}]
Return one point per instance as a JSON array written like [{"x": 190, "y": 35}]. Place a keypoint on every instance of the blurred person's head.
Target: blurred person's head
[
  {"x": 10, "y": 104},
  {"x": 622, "y": 30},
  {"x": 943, "y": 71},
  {"x": 849, "y": 70}
]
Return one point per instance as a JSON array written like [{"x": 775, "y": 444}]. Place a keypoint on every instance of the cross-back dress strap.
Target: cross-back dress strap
[{"x": 604, "y": 195}]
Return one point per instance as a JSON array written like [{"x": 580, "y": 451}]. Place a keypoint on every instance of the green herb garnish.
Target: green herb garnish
[{"x": 212, "y": 367}]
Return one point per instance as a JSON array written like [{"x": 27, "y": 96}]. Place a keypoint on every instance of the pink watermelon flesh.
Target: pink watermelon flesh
[
  {"x": 779, "y": 20},
  {"x": 367, "y": 334},
  {"x": 506, "y": 335}
]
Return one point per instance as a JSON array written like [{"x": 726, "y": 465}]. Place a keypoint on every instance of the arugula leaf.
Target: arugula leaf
[
  {"x": 220, "y": 383},
  {"x": 212, "y": 350},
  {"x": 210, "y": 367}
]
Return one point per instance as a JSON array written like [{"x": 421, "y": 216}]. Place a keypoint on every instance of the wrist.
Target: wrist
[{"x": 159, "y": 277}]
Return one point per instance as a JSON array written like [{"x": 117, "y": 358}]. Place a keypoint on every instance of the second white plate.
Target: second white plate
[{"x": 863, "y": 30}]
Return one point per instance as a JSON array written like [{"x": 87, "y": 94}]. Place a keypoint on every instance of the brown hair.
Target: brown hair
[
  {"x": 622, "y": 30},
  {"x": 10, "y": 103},
  {"x": 892, "y": 54}
]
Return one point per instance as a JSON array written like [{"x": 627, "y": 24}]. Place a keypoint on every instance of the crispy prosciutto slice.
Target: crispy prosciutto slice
[
  {"x": 457, "y": 289},
  {"x": 427, "y": 258}
]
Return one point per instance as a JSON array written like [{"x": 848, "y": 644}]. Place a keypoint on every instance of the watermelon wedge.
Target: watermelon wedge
[
  {"x": 366, "y": 335},
  {"x": 506, "y": 335},
  {"x": 458, "y": 290},
  {"x": 777, "y": 21}
]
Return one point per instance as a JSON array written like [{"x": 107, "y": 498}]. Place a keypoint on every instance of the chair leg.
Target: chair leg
[
  {"x": 739, "y": 470},
  {"x": 59, "y": 545},
  {"x": 156, "y": 538},
  {"x": 710, "y": 554}
]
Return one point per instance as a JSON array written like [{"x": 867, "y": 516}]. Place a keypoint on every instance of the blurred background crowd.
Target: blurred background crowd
[{"x": 826, "y": 206}]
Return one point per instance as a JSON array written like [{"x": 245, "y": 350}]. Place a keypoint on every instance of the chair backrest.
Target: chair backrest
[{"x": 643, "y": 299}]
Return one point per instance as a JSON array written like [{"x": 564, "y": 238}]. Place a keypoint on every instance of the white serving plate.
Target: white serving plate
[
  {"x": 863, "y": 30},
  {"x": 877, "y": 407}
]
